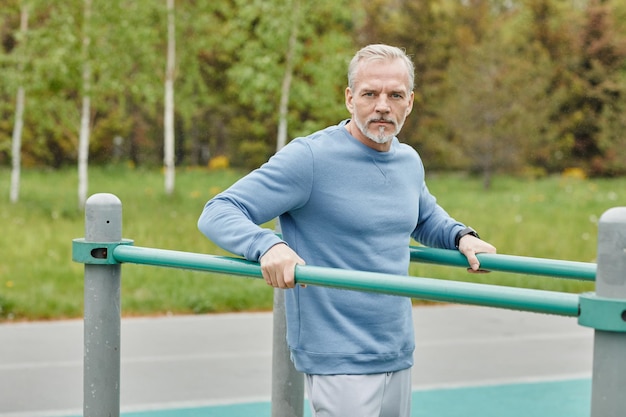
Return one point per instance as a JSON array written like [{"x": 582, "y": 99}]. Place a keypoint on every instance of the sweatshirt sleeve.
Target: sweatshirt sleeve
[
  {"x": 435, "y": 227},
  {"x": 233, "y": 218}
]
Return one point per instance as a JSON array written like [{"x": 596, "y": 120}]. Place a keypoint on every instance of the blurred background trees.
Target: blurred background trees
[{"x": 514, "y": 86}]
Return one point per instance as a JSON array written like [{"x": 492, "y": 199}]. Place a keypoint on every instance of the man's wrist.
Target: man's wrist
[{"x": 467, "y": 231}]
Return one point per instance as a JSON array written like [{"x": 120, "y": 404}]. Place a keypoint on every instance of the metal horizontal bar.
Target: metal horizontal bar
[
  {"x": 187, "y": 260},
  {"x": 539, "y": 301},
  {"x": 508, "y": 263},
  {"x": 549, "y": 302}
]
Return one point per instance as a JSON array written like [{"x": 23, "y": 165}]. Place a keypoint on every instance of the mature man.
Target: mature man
[{"x": 350, "y": 196}]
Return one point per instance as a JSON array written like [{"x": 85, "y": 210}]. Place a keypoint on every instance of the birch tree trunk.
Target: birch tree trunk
[
  {"x": 168, "y": 157},
  {"x": 16, "y": 142},
  {"x": 83, "y": 141},
  {"x": 16, "y": 145},
  {"x": 283, "y": 110}
]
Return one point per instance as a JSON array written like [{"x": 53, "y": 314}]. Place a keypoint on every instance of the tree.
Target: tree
[
  {"x": 429, "y": 31},
  {"x": 83, "y": 141},
  {"x": 129, "y": 90},
  {"x": 251, "y": 74},
  {"x": 46, "y": 66},
  {"x": 589, "y": 89},
  {"x": 54, "y": 74},
  {"x": 254, "y": 79},
  {"x": 497, "y": 108},
  {"x": 170, "y": 69},
  {"x": 600, "y": 71},
  {"x": 204, "y": 104},
  {"x": 257, "y": 72},
  {"x": 16, "y": 148},
  {"x": 290, "y": 53}
]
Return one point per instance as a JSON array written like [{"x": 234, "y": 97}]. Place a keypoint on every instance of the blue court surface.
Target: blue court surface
[{"x": 566, "y": 398}]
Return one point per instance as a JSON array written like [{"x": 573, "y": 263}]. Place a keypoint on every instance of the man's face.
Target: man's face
[{"x": 380, "y": 102}]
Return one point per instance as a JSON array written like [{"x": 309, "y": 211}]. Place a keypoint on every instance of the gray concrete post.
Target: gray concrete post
[
  {"x": 102, "y": 314},
  {"x": 287, "y": 383},
  {"x": 608, "y": 396}
]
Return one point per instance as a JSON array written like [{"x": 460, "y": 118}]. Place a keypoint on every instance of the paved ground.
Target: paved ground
[{"x": 470, "y": 361}]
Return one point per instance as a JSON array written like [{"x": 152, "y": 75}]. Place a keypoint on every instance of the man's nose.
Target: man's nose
[{"x": 382, "y": 104}]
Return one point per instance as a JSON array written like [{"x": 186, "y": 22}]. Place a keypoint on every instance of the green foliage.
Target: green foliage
[
  {"x": 497, "y": 105},
  {"x": 427, "y": 30},
  {"x": 231, "y": 61},
  {"x": 591, "y": 90},
  {"x": 553, "y": 217},
  {"x": 252, "y": 154},
  {"x": 7, "y": 307}
]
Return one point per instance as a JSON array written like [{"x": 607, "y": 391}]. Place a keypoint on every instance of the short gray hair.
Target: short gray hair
[{"x": 382, "y": 52}]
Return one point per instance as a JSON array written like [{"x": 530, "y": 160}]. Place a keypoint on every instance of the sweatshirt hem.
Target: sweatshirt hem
[{"x": 355, "y": 364}]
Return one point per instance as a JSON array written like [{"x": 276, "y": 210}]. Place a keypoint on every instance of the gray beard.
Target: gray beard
[{"x": 380, "y": 138}]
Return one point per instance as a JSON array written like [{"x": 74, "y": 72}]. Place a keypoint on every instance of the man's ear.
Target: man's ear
[
  {"x": 349, "y": 99},
  {"x": 408, "y": 110}
]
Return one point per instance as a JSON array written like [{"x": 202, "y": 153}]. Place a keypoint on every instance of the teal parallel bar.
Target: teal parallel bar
[
  {"x": 187, "y": 260},
  {"x": 422, "y": 288},
  {"x": 508, "y": 263}
]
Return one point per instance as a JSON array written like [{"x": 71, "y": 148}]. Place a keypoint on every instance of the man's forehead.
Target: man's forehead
[
  {"x": 376, "y": 84},
  {"x": 391, "y": 73}
]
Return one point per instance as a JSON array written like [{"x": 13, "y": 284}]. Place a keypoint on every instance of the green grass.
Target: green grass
[
  {"x": 554, "y": 217},
  {"x": 38, "y": 280},
  {"x": 549, "y": 218}
]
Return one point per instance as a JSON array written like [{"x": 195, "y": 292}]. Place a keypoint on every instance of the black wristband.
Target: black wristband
[{"x": 467, "y": 231}]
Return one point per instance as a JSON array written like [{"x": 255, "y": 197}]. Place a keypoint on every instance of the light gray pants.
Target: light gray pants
[{"x": 373, "y": 395}]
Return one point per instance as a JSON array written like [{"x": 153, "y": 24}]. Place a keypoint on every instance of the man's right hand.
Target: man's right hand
[{"x": 278, "y": 266}]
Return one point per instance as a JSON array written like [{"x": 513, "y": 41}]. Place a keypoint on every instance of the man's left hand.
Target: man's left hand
[{"x": 469, "y": 246}]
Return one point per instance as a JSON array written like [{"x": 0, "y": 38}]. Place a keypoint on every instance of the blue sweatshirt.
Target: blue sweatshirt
[{"x": 343, "y": 205}]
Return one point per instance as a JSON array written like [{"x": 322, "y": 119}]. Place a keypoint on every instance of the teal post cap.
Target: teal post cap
[
  {"x": 602, "y": 313},
  {"x": 99, "y": 253}
]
